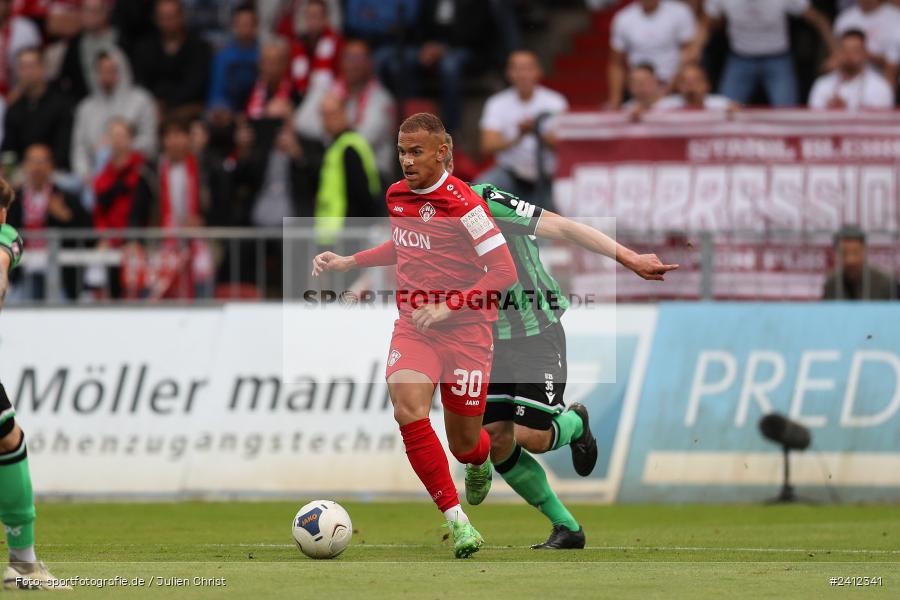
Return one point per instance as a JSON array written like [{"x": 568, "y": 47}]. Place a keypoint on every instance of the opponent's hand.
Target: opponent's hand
[
  {"x": 428, "y": 315},
  {"x": 329, "y": 261},
  {"x": 648, "y": 266}
]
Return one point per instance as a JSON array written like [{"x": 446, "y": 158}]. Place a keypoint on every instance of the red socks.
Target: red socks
[
  {"x": 480, "y": 453},
  {"x": 428, "y": 460}
]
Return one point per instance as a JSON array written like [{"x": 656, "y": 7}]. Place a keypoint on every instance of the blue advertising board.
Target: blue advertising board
[{"x": 716, "y": 369}]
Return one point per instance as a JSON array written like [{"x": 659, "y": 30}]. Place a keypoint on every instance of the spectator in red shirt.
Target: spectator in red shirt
[
  {"x": 114, "y": 189},
  {"x": 116, "y": 184},
  {"x": 315, "y": 49}
]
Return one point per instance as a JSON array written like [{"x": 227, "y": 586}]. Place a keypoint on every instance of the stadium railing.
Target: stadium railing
[{"x": 211, "y": 265}]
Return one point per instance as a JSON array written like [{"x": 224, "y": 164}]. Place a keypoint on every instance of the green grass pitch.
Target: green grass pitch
[{"x": 397, "y": 552}]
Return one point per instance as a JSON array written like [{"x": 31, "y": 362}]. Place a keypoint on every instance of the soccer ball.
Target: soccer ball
[{"x": 322, "y": 529}]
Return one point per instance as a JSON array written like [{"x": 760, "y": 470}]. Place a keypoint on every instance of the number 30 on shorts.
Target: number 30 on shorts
[{"x": 468, "y": 384}]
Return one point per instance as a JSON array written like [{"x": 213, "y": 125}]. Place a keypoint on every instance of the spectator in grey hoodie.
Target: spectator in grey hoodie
[
  {"x": 117, "y": 97},
  {"x": 77, "y": 77}
]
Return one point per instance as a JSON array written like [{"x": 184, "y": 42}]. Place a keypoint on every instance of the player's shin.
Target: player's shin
[
  {"x": 527, "y": 478},
  {"x": 428, "y": 460},
  {"x": 17, "y": 503}
]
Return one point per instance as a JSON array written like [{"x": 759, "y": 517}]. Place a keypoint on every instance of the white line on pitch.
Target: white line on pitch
[
  {"x": 608, "y": 548},
  {"x": 662, "y": 548}
]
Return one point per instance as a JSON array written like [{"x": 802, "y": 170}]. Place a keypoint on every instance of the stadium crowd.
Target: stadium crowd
[{"x": 189, "y": 113}]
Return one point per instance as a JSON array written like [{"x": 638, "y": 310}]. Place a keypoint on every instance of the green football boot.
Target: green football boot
[
  {"x": 466, "y": 539},
  {"x": 478, "y": 482}
]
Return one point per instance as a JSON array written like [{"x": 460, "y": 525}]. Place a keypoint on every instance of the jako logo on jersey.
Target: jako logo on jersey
[
  {"x": 472, "y": 402},
  {"x": 395, "y": 356},
  {"x": 411, "y": 239},
  {"x": 427, "y": 211},
  {"x": 398, "y": 209}
]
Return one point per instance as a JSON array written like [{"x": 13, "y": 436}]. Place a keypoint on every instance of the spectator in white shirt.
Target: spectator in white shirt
[
  {"x": 516, "y": 129},
  {"x": 657, "y": 32},
  {"x": 692, "y": 86},
  {"x": 644, "y": 89},
  {"x": 880, "y": 21},
  {"x": 760, "y": 46},
  {"x": 853, "y": 85}
]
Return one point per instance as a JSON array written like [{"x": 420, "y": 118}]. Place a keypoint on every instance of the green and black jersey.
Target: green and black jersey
[
  {"x": 536, "y": 301},
  {"x": 11, "y": 243}
]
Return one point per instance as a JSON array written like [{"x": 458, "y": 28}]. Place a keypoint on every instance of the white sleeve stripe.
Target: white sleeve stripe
[{"x": 495, "y": 241}]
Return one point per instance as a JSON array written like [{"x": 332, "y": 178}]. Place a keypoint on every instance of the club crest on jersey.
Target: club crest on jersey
[
  {"x": 427, "y": 211},
  {"x": 393, "y": 358}
]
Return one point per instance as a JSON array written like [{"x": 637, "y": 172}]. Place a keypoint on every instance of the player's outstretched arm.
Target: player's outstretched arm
[
  {"x": 556, "y": 227},
  {"x": 384, "y": 255},
  {"x": 5, "y": 262}
]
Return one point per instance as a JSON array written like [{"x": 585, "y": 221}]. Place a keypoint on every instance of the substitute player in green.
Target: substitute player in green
[{"x": 16, "y": 498}]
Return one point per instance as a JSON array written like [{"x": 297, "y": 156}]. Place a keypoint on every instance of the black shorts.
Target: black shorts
[
  {"x": 7, "y": 412},
  {"x": 528, "y": 379}
]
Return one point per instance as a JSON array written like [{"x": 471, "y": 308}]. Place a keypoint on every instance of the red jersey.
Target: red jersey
[{"x": 440, "y": 234}]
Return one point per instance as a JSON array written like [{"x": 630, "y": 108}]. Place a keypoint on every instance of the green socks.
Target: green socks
[
  {"x": 16, "y": 499},
  {"x": 567, "y": 426},
  {"x": 523, "y": 474}
]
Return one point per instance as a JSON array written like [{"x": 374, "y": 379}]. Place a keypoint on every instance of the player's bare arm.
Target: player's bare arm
[
  {"x": 5, "y": 263},
  {"x": 556, "y": 227}
]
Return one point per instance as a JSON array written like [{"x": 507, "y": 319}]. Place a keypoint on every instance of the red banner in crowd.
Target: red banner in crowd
[{"x": 770, "y": 186}]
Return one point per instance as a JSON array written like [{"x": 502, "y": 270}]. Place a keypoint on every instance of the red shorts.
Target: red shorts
[{"x": 458, "y": 360}]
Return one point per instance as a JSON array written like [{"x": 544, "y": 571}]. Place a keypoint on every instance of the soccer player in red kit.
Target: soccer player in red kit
[{"x": 452, "y": 267}]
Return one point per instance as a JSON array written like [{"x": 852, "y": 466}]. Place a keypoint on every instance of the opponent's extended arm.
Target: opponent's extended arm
[
  {"x": 556, "y": 227},
  {"x": 11, "y": 248},
  {"x": 5, "y": 261}
]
